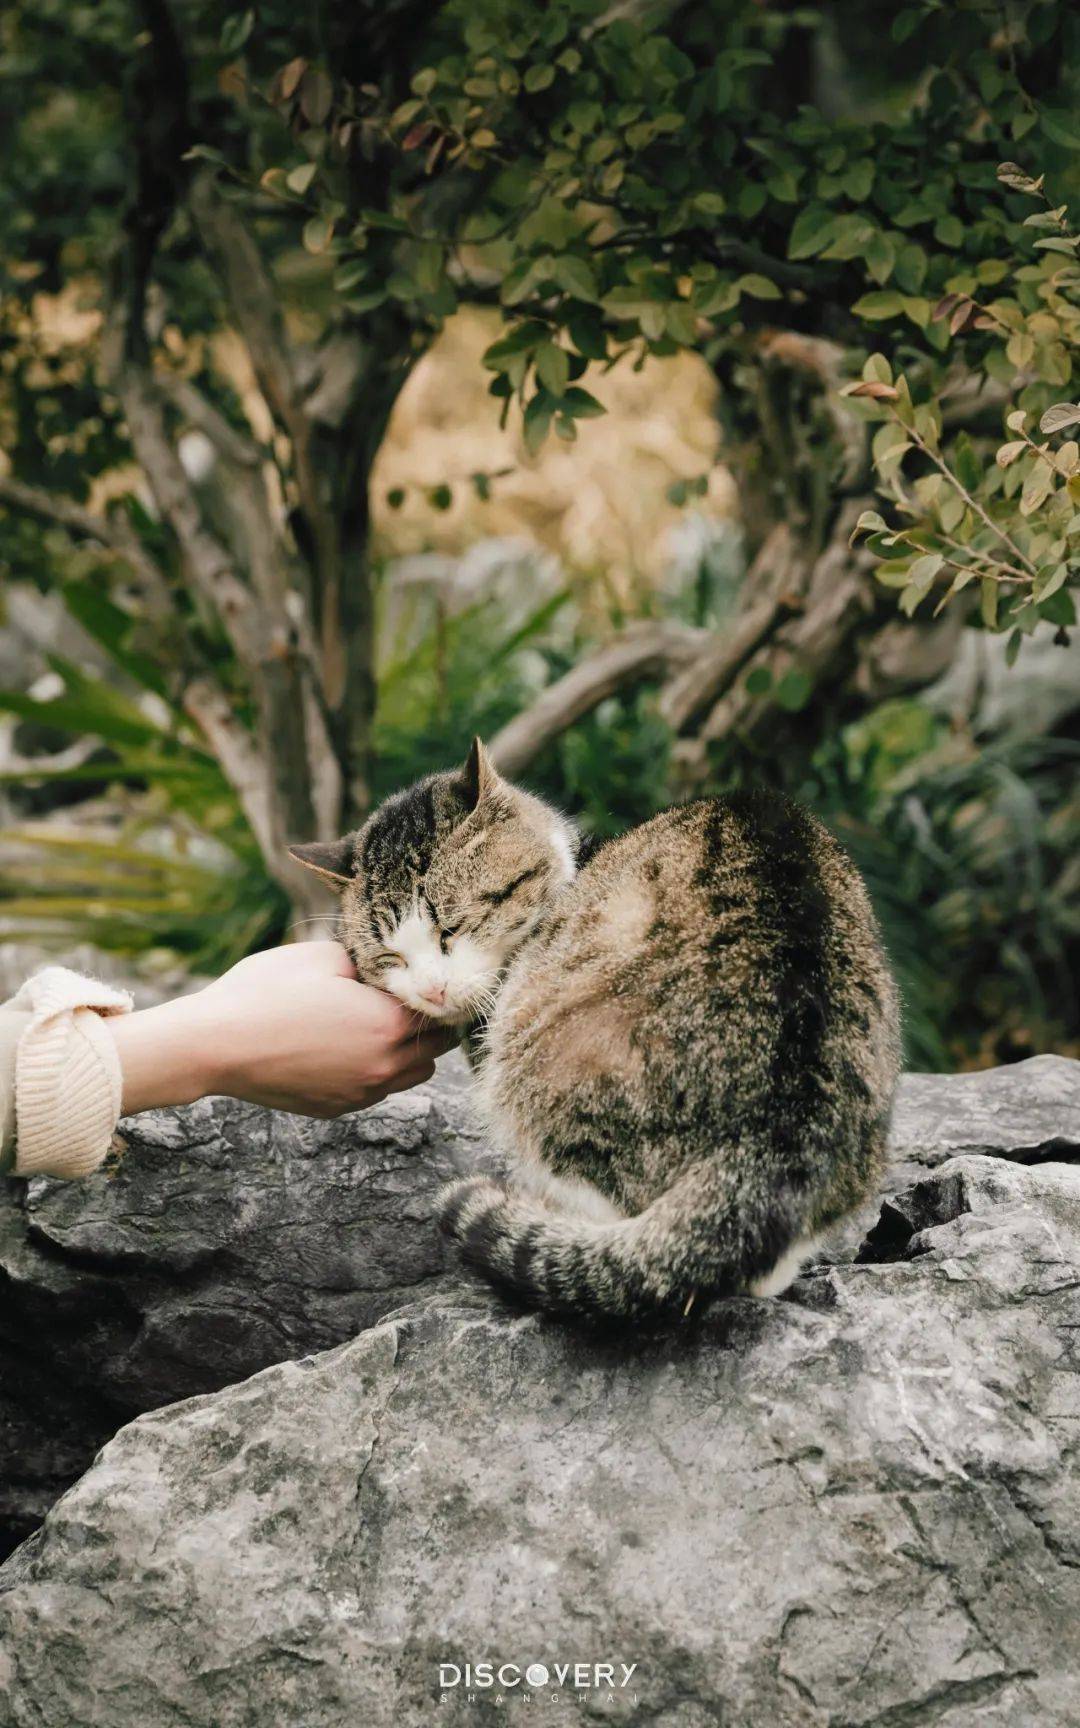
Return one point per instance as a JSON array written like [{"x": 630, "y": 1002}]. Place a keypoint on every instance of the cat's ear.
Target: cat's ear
[
  {"x": 478, "y": 775},
  {"x": 331, "y": 859}
]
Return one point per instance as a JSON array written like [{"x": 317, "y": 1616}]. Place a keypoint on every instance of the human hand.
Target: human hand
[{"x": 292, "y": 1029}]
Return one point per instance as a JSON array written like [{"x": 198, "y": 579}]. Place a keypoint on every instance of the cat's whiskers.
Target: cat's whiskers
[{"x": 322, "y": 918}]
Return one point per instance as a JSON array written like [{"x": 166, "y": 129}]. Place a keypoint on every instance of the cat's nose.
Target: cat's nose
[{"x": 433, "y": 993}]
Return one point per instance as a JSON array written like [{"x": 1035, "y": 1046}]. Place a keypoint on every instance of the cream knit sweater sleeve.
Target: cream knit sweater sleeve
[{"x": 66, "y": 1083}]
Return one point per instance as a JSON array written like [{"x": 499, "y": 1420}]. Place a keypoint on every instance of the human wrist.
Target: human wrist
[{"x": 167, "y": 1055}]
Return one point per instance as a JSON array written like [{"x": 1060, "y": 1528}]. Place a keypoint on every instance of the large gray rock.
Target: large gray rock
[
  {"x": 219, "y": 1239},
  {"x": 224, "y": 1238},
  {"x": 853, "y": 1507}
]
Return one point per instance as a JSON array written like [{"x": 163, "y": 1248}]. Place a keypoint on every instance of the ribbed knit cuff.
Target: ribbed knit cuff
[{"x": 67, "y": 1074}]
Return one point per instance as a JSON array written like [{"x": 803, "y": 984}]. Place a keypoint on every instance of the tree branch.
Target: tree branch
[
  {"x": 252, "y": 298},
  {"x": 839, "y": 598},
  {"x": 209, "y": 564},
  {"x": 256, "y": 313},
  {"x": 243, "y": 767},
  {"x": 641, "y": 651},
  {"x": 114, "y": 536},
  {"x": 274, "y": 781},
  {"x": 200, "y": 413},
  {"x": 701, "y": 682}
]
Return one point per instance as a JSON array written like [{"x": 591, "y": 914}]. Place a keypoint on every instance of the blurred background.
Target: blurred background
[{"x": 225, "y": 459}]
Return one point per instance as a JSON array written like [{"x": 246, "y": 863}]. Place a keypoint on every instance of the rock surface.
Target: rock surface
[
  {"x": 856, "y": 1506},
  {"x": 220, "y": 1239}
]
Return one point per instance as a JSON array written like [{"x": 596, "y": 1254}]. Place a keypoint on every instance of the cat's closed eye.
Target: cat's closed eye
[{"x": 389, "y": 959}]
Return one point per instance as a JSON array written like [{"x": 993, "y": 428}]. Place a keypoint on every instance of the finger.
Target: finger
[
  {"x": 414, "y": 1075},
  {"x": 433, "y": 1043},
  {"x": 422, "y": 1034}
]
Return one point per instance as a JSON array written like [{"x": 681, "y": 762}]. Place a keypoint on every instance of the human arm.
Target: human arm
[{"x": 292, "y": 1029}]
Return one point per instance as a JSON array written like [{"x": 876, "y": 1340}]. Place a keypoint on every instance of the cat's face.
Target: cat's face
[{"x": 443, "y": 883}]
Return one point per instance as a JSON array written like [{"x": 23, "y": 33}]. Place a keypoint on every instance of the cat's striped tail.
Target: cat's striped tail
[{"x": 719, "y": 1227}]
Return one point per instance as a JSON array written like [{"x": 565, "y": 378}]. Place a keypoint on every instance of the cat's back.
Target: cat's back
[
  {"x": 705, "y": 923},
  {"x": 752, "y": 870}
]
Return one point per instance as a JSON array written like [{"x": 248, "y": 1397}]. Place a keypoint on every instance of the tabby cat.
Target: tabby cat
[{"x": 688, "y": 1046}]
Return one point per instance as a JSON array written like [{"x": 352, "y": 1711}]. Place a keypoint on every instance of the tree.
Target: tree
[
  {"x": 623, "y": 181},
  {"x": 645, "y": 181},
  {"x": 253, "y": 592}
]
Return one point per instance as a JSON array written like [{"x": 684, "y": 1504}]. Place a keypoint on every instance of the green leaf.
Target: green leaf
[
  {"x": 537, "y": 421},
  {"x": 880, "y": 258},
  {"x": 869, "y": 523},
  {"x": 921, "y": 577},
  {"x": 925, "y": 569},
  {"x": 956, "y": 586},
  {"x": 812, "y": 229},
  {"x": 581, "y": 404},
  {"x": 91, "y": 710},
  {"x": 1037, "y": 488},
  {"x": 758, "y": 681},
  {"x": 586, "y": 332},
  {"x": 360, "y": 303},
  {"x": 236, "y": 30},
  {"x": 1061, "y": 127},
  {"x": 349, "y": 275},
  {"x": 713, "y": 298},
  {"x": 893, "y": 572},
  {"x": 911, "y": 267},
  {"x": 758, "y": 287},
  {"x": 967, "y": 462},
  {"x": 316, "y": 95},
  {"x": 553, "y": 368},
  {"x": 1048, "y": 580},
  {"x": 881, "y": 303},
  {"x": 988, "y": 601},
  {"x": 576, "y": 276},
  {"x": 949, "y": 231},
  {"x": 794, "y": 690},
  {"x": 858, "y": 180},
  {"x": 538, "y": 78},
  {"x": 680, "y": 323},
  {"x": 205, "y": 153}
]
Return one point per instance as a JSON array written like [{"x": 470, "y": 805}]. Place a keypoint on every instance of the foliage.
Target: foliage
[
  {"x": 620, "y": 160},
  {"x": 175, "y": 865},
  {"x": 969, "y": 854},
  {"x": 1012, "y": 524},
  {"x": 133, "y": 896}
]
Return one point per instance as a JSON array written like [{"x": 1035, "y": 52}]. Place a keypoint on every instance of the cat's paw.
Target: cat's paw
[{"x": 460, "y": 1203}]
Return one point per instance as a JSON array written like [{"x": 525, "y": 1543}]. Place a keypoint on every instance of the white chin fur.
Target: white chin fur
[{"x": 465, "y": 973}]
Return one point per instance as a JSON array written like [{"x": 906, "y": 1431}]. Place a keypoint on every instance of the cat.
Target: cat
[{"x": 688, "y": 1045}]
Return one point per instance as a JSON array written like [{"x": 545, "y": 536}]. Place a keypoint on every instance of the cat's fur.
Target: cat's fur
[{"x": 691, "y": 1045}]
